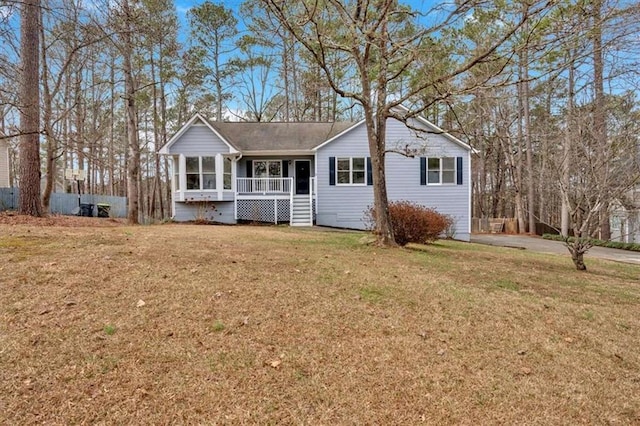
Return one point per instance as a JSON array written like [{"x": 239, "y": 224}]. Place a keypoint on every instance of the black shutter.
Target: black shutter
[
  {"x": 285, "y": 168},
  {"x": 459, "y": 169},
  {"x": 423, "y": 170},
  {"x": 369, "y": 172},
  {"x": 332, "y": 170},
  {"x": 249, "y": 168}
]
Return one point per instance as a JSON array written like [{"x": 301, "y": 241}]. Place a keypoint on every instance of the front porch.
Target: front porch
[{"x": 277, "y": 200}]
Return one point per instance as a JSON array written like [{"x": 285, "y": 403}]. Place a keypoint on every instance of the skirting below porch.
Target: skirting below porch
[{"x": 263, "y": 210}]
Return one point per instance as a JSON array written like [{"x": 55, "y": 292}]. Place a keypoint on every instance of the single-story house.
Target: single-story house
[{"x": 312, "y": 173}]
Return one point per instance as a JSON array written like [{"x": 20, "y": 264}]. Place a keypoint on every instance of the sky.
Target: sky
[{"x": 183, "y": 6}]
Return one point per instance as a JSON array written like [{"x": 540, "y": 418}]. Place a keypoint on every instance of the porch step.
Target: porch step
[{"x": 301, "y": 213}]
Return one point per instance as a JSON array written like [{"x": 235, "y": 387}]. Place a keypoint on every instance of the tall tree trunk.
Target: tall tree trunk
[
  {"x": 527, "y": 130},
  {"x": 50, "y": 171},
  {"x": 30, "y": 202},
  {"x": 518, "y": 183},
  {"x": 112, "y": 123},
  {"x": 133, "y": 160},
  {"x": 569, "y": 129},
  {"x": 599, "y": 114},
  {"x": 377, "y": 135}
]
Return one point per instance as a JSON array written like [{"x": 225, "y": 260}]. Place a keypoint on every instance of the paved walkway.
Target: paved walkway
[{"x": 556, "y": 247}]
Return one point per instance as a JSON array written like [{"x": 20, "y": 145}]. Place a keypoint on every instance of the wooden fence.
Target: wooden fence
[
  {"x": 494, "y": 225},
  {"x": 505, "y": 225}
]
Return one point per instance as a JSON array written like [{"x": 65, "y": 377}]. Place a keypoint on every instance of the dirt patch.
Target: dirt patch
[{"x": 272, "y": 325}]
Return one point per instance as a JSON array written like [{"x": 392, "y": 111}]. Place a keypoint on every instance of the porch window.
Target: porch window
[
  {"x": 201, "y": 173},
  {"x": 351, "y": 170},
  {"x": 267, "y": 169},
  {"x": 226, "y": 173},
  {"x": 441, "y": 170},
  {"x": 176, "y": 172}
]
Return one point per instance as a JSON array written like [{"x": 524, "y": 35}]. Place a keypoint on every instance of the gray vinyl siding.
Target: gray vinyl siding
[
  {"x": 221, "y": 212},
  {"x": 199, "y": 140},
  {"x": 344, "y": 206}
]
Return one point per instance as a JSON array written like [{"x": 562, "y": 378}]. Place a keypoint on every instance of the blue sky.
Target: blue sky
[{"x": 182, "y": 6}]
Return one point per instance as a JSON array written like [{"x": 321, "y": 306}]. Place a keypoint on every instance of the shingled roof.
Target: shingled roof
[{"x": 278, "y": 136}]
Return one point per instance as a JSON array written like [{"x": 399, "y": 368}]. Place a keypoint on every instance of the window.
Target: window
[
  {"x": 176, "y": 172},
  {"x": 226, "y": 173},
  {"x": 267, "y": 169},
  {"x": 351, "y": 171},
  {"x": 201, "y": 173},
  {"x": 441, "y": 170}
]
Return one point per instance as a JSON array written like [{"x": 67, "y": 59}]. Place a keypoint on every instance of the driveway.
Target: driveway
[{"x": 540, "y": 245}]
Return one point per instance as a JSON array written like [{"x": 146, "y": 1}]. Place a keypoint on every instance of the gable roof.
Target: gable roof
[
  {"x": 187, "y": 125},
  {"x": 435, "y": 129},
  {"x": 287, "y": 137},
  {"x": 259, "y": 137},
  {"x": 431, "y": 128}
]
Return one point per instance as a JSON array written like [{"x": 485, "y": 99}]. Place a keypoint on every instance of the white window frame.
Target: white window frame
[
  {"x": 175, "y": 164},
  {"x": 253, "y": 167},
  {"x": 351, "y": 171},
  {"x": 441, "y": 171},
  {"x": 201, "y": 173},
  {"x": 225, "y": 161}
]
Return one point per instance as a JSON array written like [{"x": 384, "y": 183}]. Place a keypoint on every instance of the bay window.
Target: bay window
[
  {"x": 200, "y": 172},
  {"x": 226, "y": 173}
]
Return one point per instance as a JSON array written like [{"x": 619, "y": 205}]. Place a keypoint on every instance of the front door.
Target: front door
[{"x": 303, "y": 172}]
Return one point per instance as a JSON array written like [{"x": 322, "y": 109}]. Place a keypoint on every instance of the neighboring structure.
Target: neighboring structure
[
  {"x": 4, "y": 164},
  {"x": 306, "y": 173},
  {"x": 624, "y": 217}
]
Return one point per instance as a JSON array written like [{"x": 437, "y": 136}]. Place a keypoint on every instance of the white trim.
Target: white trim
[
  {"x": 315, "y": 172},
  {"x": 437, "y": 129},
  {"x": 219, "y": 175},
  {"x": 440, "y": 171},
  {"x": 351, "y": 171},
  {"x": 182, "y": 173},
  {"x": 469, "y": 185},
  {"x": 279, "y": 153},
  {"x": 165, "y": 149},
  {"x": 423, "y": 120},
  {"x": 254, "y": 196},
  {"x": 266, "y": 160}
]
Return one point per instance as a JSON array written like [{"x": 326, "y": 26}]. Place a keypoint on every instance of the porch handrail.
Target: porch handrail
[
  {"x": 312, "y": 194},
  {"x": 264, "y": 185}
]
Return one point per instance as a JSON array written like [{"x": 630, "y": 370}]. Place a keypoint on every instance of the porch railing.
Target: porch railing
[{"x": 264, "y": 185}]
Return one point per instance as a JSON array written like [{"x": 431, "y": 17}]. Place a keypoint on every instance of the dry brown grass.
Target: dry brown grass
[{"x": 262, "y": 325}]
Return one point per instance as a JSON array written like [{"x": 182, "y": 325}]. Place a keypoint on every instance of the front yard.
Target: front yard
[{"x": 274, "y": 325}]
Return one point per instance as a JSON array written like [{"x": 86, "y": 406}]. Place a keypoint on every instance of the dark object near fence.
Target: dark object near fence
[
  {"x": 103, "y": 209},
  {"x": 86, "y": 210}
]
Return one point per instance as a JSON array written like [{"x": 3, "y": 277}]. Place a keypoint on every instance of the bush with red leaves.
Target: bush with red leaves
[{"x": 413, "y": 223}]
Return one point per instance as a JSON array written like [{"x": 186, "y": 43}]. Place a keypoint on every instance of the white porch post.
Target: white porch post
[
  {"x": 174, "y": 168},
  {"x": 219, "y": 175},
  {"x": 183, "y": 175}
]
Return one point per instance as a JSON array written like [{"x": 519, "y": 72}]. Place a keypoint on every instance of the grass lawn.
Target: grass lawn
[{"x": 273, "y": 325}]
